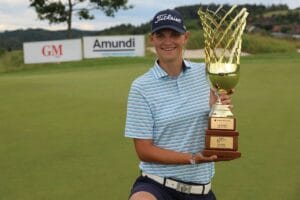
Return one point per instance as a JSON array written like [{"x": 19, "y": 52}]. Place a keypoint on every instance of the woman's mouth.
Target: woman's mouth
[{"x": 168, "y": 48}]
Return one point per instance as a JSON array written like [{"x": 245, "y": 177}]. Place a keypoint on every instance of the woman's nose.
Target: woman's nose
[{"x": 168, "y": 39}]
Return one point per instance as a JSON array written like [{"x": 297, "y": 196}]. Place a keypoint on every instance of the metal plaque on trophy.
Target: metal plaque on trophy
[{"x": 223, "y": 38}]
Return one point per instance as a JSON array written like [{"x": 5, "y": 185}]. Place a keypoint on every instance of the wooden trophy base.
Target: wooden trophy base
[
  {"x": 222, "y": 155},
  {"x": 222, "y": 143}
]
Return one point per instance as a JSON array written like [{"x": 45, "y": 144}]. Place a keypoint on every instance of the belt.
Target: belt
[{"x": 179, "y": 186}]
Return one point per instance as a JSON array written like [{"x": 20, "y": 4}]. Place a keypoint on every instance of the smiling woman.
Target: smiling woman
[
  {"x": 167, "y": 116},
  {"x": 169, "y": 47}
]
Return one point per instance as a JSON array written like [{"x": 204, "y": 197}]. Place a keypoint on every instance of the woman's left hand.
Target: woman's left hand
[{"x": 225, "y": 98}]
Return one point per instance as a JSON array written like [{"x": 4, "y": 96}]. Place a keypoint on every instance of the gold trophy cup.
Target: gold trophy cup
[{"x": 223, "y": 38}]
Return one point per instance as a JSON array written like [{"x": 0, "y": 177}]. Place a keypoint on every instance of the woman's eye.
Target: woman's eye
[
  {"x": 175, "y": 35},
  {"x": 159, "y": 36}
]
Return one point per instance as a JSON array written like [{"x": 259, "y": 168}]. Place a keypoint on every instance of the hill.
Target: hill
[
  {"x": 13, "y": 40},
  {"x": 278, "y": 18},
  {"x": 253, "y": 44}
]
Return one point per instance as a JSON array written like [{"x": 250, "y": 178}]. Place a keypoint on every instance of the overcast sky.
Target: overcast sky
[{"x": 16, "y": 14}]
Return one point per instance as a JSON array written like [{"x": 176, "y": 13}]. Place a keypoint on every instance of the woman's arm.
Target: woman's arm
[{"x": 148, "y": 152}]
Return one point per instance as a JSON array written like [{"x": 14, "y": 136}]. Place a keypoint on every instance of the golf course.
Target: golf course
[{"x": 62, "y": 130}]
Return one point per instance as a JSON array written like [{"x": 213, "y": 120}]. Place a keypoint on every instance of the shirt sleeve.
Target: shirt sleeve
[{"x": 139, "y": 120}]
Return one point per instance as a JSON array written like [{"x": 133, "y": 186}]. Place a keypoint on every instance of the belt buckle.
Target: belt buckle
[{"x": 181, "y": 187}]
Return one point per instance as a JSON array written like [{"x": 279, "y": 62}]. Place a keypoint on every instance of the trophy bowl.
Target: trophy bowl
[{"x": 223, "y": 77}]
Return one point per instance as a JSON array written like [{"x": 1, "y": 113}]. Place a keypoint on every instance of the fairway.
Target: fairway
[{"x": 62, "y": 127}]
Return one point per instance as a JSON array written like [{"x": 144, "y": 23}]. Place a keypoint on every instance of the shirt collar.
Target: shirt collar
[{"x": 159, "y": 72}]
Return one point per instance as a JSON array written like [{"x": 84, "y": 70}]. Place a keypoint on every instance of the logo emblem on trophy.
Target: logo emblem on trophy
[{"x": 223, "y": 39}]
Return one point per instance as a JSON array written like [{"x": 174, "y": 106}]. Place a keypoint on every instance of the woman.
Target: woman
[{"x": 167, "y": 116}]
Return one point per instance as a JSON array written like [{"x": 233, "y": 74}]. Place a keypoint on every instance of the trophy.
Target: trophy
[{"x": 223, "y": 38}]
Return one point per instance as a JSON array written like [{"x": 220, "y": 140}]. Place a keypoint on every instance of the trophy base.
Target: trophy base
[{"x": 222, "y": 155}]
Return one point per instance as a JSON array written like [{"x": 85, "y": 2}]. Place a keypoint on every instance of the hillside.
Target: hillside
[
  {"x": 13, "y": 40},
  {"x": 277, "y": 18},
  {"x": 252, "y": 43}
]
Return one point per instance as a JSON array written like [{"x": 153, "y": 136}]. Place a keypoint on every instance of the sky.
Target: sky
[{"x": 16, "y": 14}]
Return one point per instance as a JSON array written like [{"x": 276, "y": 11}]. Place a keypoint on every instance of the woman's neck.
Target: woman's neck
[{"x": 172, "y": 68}]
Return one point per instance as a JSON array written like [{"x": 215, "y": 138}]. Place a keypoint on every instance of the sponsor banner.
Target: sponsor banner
[
  {"x": 52, "y": 51},
  {"x": 104, "y": 46}
]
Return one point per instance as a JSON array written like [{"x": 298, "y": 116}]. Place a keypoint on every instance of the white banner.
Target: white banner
[
  {"x": 52, "y": 51},
  {"x": 104, "y": 46}
]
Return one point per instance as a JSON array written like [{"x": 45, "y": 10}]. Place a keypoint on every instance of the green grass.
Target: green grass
[
  {"x": 256, "y": 44},
  {"x": 196, "y": 40},
  {"x": 267, "y": 119},
  {"x": 252, "y": 43},
  {"x": 61, "y": 131},
  {"x": 11, "y": 61}
]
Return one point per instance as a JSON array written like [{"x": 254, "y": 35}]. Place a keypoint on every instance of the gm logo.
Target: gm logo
[{"x": 52, "y": 50}]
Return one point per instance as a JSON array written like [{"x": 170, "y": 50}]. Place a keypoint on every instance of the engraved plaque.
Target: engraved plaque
[
  {"x": 222, "y": 123},
  {"x": 221, "y": 142}
]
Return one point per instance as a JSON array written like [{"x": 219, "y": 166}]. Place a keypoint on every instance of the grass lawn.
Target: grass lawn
[{"x": 61, "y": 131}]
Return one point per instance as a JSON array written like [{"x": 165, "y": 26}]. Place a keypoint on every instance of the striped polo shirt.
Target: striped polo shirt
[{"x": 173, "y": 112}]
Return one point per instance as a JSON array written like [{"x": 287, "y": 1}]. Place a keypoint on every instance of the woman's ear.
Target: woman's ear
[
  {"x": 186, "y": 36},
  {"x": 151, "y": 37}
]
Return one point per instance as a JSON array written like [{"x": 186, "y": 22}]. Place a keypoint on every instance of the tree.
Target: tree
[{"x": 62, "y": 11}]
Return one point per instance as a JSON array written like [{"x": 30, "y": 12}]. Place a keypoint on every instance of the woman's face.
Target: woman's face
[{"x": 169, "y": 44}]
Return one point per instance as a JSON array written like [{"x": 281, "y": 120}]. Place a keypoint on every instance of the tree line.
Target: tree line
[{"x": 12, "y": 40}]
